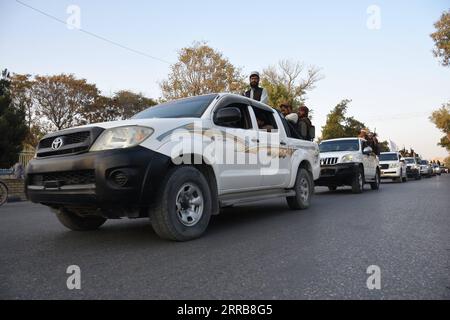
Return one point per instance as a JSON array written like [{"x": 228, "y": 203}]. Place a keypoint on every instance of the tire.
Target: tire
[
  {"x": 358, "y": 182},
  {"x": 3, "y": 193},
  {"x": 304, "y": 189},
  {"x": 174, "y": 216},
  {"x": 376, "y": 185},
  {"x": 332, "y": 188},
  {"x": 75, "y": 222}
]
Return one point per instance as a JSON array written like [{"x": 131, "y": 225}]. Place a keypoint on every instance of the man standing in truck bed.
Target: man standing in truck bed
[{"x": 256, "y": 92}]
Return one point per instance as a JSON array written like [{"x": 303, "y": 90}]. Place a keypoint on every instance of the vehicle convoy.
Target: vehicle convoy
[
  {"x": 393, "y": 166},
  {"x": 160, "y": 165},
  {"x": 413, "y": 168},
  {"x": 348, "y": 162},
  {"x": 426, "y": 169},
  {"x": 436, "y": 169}
]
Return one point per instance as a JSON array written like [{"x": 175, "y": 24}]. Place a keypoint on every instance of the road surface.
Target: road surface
[{"x": 255, "y": 251}]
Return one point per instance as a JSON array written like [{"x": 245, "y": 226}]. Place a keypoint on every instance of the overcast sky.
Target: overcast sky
[{"x": 377, "y": 53}]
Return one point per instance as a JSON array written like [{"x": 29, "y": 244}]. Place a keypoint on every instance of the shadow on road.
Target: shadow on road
[{"x": 139, "y": 232}]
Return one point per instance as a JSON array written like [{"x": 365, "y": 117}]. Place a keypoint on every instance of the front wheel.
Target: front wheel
[
  {"x": 358, "y": 181},
  {"x": 76, "y": 222},
  {"x": 183, "y": 208},
  {"x": 304, "y": 189}
]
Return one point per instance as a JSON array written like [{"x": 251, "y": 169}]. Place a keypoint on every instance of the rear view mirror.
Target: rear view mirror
[{"x": 227, "y": 115}]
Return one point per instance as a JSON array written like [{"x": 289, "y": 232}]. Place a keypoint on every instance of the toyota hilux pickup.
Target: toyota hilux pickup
[
  {"x": 348, "y": 162},
  {"x": 177, "y": 164}
]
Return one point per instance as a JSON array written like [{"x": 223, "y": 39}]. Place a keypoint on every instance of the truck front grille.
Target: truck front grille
[
  {"x": 73, "y": 138},
  {"x": 328, "y": 161},
  {"x": 65, "y": 178},
  {"x": 67, "y": 142},
  {"x": 384, "y": 166}
]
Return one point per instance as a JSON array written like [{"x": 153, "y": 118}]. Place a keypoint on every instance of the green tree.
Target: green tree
[
  {"x": 384, "y": 146},
  {"x": 201, "y": 70},
  {"x": 288, "y": 82},
  {"x": 340, "y": 126},
  {"x": 441, "y": 39},
  {"x": 441, "y": 118},
  {"x": 13, "y": 128}
]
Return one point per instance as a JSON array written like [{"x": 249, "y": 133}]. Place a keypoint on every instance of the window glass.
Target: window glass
[
  {"x": 244, "y": 123},
  {"x": 265, "y": 119}
]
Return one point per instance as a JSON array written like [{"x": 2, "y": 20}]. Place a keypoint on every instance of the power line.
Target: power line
[{"x": 93, "y": 34}]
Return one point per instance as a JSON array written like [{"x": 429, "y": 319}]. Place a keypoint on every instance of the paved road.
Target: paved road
[{"x": 258, "y": 251}]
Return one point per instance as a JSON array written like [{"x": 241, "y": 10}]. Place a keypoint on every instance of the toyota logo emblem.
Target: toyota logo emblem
[{"x": 57, "y": 143}]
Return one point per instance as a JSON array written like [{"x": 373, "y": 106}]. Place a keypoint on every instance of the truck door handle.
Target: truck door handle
[
  {"x": 255, "y": 140},
  {"x": 283, "y": 143}
]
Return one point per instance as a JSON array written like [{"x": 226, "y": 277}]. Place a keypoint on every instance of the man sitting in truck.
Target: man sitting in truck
[{"x": 289, "y": 115}]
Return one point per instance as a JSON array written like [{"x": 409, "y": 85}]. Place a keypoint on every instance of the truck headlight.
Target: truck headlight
[
  {"x": 347, "y": 158},
  {"x": 121, "y": 137},
  {"x": 393, "y": 165}
]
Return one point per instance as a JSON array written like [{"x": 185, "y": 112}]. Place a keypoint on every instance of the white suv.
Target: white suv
[
  {"x": 177, "y": 163},
  {"x": 393, "y": 166},
  {"x": 348, "y": 161}
]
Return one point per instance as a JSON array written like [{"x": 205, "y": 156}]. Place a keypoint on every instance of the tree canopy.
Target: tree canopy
[
  {"x": 13, "y": 128},
  {"x": 441, "y": 118},
  {"x": 441, "y": 39},
  {"x": 288, "y": 82},
  {"x": 201, "y": 70},
  {"x": 338, "y": 125}
]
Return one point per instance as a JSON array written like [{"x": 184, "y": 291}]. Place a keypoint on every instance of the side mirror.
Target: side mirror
[
  {"x": 367, "y": 150},
  {"x": 227, "y": 115}
]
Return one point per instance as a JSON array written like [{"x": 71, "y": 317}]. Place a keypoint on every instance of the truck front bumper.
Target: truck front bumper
[
  {"x": 104, "y": 179},
  {"x": 390, "y": 173},
  {"x": 337, "y": 175}
]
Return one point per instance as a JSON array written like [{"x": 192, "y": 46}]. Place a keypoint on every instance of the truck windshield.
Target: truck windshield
[
  {"x": 388, "y": 157},
  {"x": 183, "y": 108},
  {"x": 424, "y": 162},
  {"x": 409, "y": 160},
  {"x": 339, "y": 145}
]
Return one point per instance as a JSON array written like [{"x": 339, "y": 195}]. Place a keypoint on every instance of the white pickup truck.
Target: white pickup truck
[
  {"x": 393, "y": 166},
  {"x": 176, "y": 163},
  {"x": 348, "y": 162}
]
